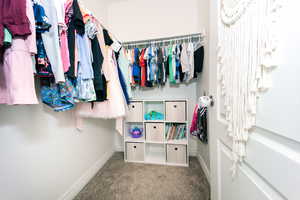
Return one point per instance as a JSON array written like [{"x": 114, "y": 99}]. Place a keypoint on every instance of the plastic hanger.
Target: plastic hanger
[{"x": 204, "y": 101}]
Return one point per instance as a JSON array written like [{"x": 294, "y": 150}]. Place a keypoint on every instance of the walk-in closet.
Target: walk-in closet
[{"x": 149, "y": 100}]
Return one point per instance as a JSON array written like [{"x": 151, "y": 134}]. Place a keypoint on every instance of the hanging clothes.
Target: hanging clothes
[
  {"x": 91, "y": 28},
  {"x": 172, "y": 65},
  {"x": 75, "y": 23},
  {"x": 136, "y": 69},
  {"x": 187, "y": 61},
  {"x": 99, "y": 78},
  {"x": 166, "y": 63},
  {"x": 198, "y": 59},
  {"x": 190, "y": 54},
  {"x": 13, "y": 16},
  {"x": 142, "y": 64},
  {"x": 60, "y": 97},
  {"x": 16, "y": 72},
  {"x": 153, "y": 64},
  {"x": 124, "y": 65},
  {"x": 7, "y": 39},
  {"x": 62, "y": 29},
  {"x": 147, "y": 57},
  {"x": 199, "y": 123},
  {"x": 160, "y": 67},
  {"x": 115, "y": 105},
  {"x": 43, "y": 66},
  {"x": 178, "y": 64},
  {"x": 122, "y": 81},
  {"x": 63, "y": 41},
  {"x": 51, "y": 40},
  {"x": 85, "y": 84}
]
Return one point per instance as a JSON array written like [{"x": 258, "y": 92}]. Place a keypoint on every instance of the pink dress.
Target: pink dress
[{"x": 16, "y": 73}]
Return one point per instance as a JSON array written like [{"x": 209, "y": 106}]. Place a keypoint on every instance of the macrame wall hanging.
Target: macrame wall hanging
[{"x": 246, "y": 57}]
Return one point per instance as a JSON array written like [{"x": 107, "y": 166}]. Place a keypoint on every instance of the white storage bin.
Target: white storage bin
[
  {"x": 135, "y": 151},
  {"x": 176, "y": 111},
  {"x": 155, "y": 132},
  {"x": 176, "y": 154},
  {"x": 135, "y": 112}
]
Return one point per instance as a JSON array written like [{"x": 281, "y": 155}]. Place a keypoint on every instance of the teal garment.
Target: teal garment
[
  {"x": 7, "y": 38},
  {"x": 153, "y": 115},
  {"x": 171, "y": 72},
  {"x": 124, "y": 66}
]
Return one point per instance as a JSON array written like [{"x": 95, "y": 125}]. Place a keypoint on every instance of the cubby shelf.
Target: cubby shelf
[
  {"x": 153, "y": 147},
  {"x": 140, "y": 140},
  {"x": 153, "y": 121},
  {"x": 182, "y": 141}
]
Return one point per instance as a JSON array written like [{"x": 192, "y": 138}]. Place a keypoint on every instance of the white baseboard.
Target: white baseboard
[
  {"x": 204, "y": 167},
  {"x": 86, "y": 177}
]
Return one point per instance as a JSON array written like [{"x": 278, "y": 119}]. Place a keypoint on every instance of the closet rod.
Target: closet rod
[{"x": 200, "y": 35}]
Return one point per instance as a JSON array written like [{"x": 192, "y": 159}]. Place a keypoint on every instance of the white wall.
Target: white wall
[
  {"x": 203, "y": 83},
  {"x": 141, "y": 19},
  {"x": 43, "y": 156},
  {"x": 99, "y": 8}
]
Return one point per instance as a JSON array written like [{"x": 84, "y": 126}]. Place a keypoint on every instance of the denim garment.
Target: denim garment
[{"x": 60, "y": 96}]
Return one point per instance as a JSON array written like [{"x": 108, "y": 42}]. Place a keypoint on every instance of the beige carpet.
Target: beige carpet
[{"x": 118, "y": 180}]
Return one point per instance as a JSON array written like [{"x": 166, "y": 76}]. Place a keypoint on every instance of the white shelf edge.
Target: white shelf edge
[
  {"x": 137, "y": 141},
  {"x": 153, "y": 121},
  {"x": 132, "y": 161},
  {"x": 155, "y": 163},
  {"x": 183, "y": 142},
  {"x": 176, "y": 122},
  {"x": 157, "y": 121},
  {"x": 176, "y": 164},
  {"x": 154, "y": 100},
  {"x": 164, "y": 142},
  {"x": 154, "y": 142}
]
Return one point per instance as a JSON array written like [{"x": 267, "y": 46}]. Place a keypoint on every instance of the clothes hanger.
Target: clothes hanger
[{"x": 204, "y": 101}]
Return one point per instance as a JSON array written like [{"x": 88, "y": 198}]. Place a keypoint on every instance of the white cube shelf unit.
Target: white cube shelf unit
[{"x": 165, "y": 137}]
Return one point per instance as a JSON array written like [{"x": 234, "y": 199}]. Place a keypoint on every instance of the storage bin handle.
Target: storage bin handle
[
  {"x": 175, "y": 106},
  {"x": 175, "y": 148},
  {"x": 134, "y": 147}
]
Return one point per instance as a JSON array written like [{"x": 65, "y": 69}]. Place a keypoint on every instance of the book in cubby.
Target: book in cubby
[{"x": 176, "y": 133}]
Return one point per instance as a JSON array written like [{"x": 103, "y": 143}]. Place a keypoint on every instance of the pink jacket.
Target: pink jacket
[{"x": 194, "y": 121}]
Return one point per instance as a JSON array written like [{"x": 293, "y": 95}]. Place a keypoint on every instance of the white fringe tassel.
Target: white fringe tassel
[{"x": 247, "y": 44}]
